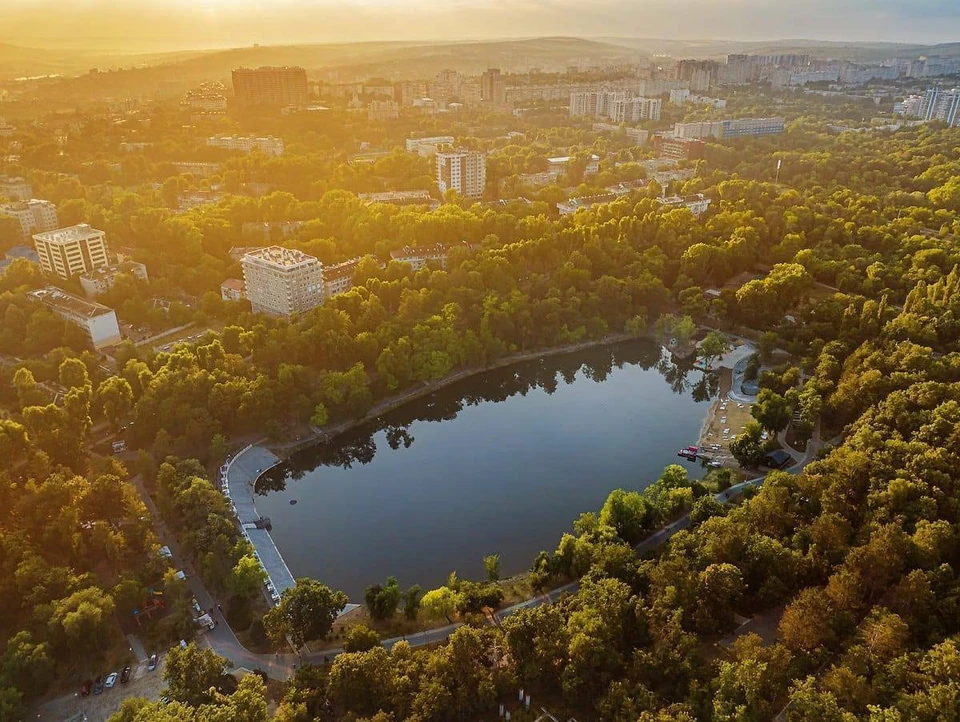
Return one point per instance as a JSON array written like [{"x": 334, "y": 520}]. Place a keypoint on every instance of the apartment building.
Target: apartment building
[
  {"x": 34, "y": 216},
  {"x": 383, "y": 110},
  {"x": 232, "y": 290},
  {"x": 101, "y": 280},
  {"x": 398, "y": 198},
  {"x": 270, "y": 145},
  {"x": 729, "y": 128},
  {"x": 67, "y": 252},
  {"x": 556, "y": 167},
  {"x": 464, "y": 171},
  {"x": 493, "y": 87},
  {"x": 280, "y": 86},
  {"x": 425, "y": 147},
  {"x": 419, "y": 256},
  {"x": 697, "y": 204},
  {"x": 338, "y": 278},
  {"x": 282, "y": 281},
  {"x": 15, "y": 188},
  {"x": 941, "y": 104},
  {"x": 681, "y": 148},
  {"x": 633, "y": 110},
  {"x": 97, "y": 320}
]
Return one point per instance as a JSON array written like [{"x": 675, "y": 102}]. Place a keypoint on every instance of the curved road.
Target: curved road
[{"x": 282, "y": 666}]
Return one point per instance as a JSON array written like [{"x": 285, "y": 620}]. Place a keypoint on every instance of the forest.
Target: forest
[{"x": 852, "y": 267}]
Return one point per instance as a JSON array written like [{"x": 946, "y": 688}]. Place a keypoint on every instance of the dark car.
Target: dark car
[
  {"x": 85, "y": 688},
  {"x": 152, "y": 664},
  {"x": 98, "y": 685},
  {"x": 125, "y": 675}
]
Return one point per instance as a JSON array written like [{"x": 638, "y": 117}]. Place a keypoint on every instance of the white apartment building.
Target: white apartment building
[
  {"x": 97, "y": 320},
  {"x": 15, "y": 188},
  {"x": 941, "y": 104},
  {"x": 101, "y": 280},
  {"x": 34, "y": 216},
  {"x": 633, "y": 110},
  {"x": 697, "y": 204},
  {"x": 270, "y": 145},
  {"x": 282, "y": 281},
  {"x": 909, "y": 107},
  {"x": 67, "y": 252},
  {"x": 428, "y": 146},
  {"x": 464, "y": 171},
  {"x": 419, "y": 256},
  {"x": 651, "y": 88},
  {"x": 729, "y": 128}
]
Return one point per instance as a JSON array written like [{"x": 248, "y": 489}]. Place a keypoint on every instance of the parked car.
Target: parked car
[
  {"x": 85, "y": 688},
  {"x": 196, "y": 606},
  {"x": 111, "y": 680},
  {"x": 152, "y": 664},
  {"x": 98, "y": 685},
  {"x": 125, "y": 675}
]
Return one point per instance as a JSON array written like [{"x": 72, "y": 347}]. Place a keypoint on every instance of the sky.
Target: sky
[{"x": 185, "y": 24}]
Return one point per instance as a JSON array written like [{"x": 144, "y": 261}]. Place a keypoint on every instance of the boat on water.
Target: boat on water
[{"x": 690, "y": 453}]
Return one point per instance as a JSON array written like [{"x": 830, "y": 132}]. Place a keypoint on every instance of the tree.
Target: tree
[
  {"x": 627, "y": 513},
  {"x": 82, "y": 618},
  {"x": 360, "y": 639},
  {"x": 713, "y": 346},
  {"x": 440, "y": 603},
  {"x": 193, "y": 674},
  {"x": 247, "y": 577},
  {"x": 748, "y": 448},
  {"x": 362, "y": 682},
  {"x": 320, "y": 415},
  {"x": 73, "y": 374},
  {"x": 411, "y": 601},
  {"x": 382, "y": 600},
  {"x": 491, "y": 565},
  {"x": 771, "y": 410},
  {"x": 115, "y": 397},
  {"x": 767, "y": 344},
  {"x": 305, "y": 612}
]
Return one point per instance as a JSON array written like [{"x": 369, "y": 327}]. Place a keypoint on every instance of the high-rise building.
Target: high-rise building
[
  {"x": 729, "y": 128},
  {"x": 634, "y": 110},
  {"x": 270, "y": 86},
  {"x": 941, "y": 104},
  {"x": 382, "y": 110},
  {"x": 282, "y": 281},
  {"x": 34, "y": 216},
  {"x": 67, "y": 252},
  {"x": 445, "y": 86},
  {"x": 269, "y": 145},
  {"x": 493, "y": 87},
  {"x": 464, "y": 171}
]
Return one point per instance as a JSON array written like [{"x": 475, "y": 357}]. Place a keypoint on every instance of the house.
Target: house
[{"x": 232, "y": 290}]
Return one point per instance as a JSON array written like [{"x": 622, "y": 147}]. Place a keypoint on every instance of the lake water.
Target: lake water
[{"x": 499, "y": 463}]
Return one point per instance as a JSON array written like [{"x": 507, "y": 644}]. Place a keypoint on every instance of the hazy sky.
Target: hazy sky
[{"x": 217, "y": 23}]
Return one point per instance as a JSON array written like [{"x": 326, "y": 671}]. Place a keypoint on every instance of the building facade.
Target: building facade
[
  {"x": 464, "y": 171},
  {"x": 270, "y": 145},
  {"x": 232, "y": 290},
  {"x": 941, "y": 104},
  {"x": 428, "y": 146},
  {"x": 696, "y": 204},
  {"x": 282, "y": 281},
  {"x": 279, "y": 86},
  {"x": 382, "y": 110},
  {"x": 493, "y": 88},
  {"x": 338, "y": 278},
  {"x": 68, "y": 252},
  {"x": 101, "y": 280},
  {"x": 15, "y": 188},
  {"x": 34, "y": 216},
  {"x": 97, "y": 320}
]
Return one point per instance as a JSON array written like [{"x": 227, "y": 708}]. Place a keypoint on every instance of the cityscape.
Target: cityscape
[{"x": 432, "y": 373}]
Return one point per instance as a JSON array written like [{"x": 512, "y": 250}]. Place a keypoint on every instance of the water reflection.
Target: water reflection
[{"x": 359, "y": 447}]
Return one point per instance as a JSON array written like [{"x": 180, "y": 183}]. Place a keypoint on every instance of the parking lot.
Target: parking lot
[{"x": 98, "y": 708}]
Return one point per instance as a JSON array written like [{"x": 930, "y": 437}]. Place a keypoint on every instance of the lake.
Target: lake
[{"x": 499, "y": 463}]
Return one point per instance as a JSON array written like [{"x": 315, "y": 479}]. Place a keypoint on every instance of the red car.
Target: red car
[{"x": 85, "y": 688}]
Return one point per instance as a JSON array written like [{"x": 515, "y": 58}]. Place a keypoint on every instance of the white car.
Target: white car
[{"x": 111, "y": 680}]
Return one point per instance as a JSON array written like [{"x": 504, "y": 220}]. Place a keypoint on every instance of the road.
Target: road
[{"x": 282, "y": 666}]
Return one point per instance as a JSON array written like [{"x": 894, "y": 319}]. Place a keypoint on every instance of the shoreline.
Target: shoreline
[{"x": 391, "y": 403}]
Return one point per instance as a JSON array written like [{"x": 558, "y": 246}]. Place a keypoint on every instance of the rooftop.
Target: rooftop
[
  {"x": 438, "y": 249},
  {"x": 234, "y": 284},
  {"x": 56, "y": 298},
  {"x": 340, "y": 270},
  {"x": 108, "y": 271},
  {"x": 280, "y": 257},
  {"x": 22, "y": 205},
  {"x": 79, "y": 232}
]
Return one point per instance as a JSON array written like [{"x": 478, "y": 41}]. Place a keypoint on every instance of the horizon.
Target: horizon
[{"x": 151, "y": 26}]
